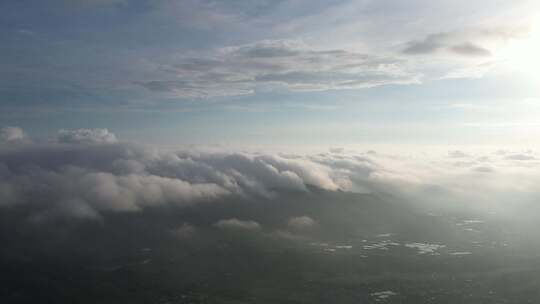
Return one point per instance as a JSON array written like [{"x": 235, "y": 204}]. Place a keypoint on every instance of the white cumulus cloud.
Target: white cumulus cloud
[{"x": 301, "y": 222}]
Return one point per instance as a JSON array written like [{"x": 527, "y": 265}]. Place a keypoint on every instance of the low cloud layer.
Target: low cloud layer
[
  {"x": 86, "y": 177},
  {"x": 185, "y": 231},
  {"x": 301, "y": 222}
]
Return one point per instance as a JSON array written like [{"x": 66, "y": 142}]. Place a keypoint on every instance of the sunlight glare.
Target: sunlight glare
[{"x": 523, "y": 56}]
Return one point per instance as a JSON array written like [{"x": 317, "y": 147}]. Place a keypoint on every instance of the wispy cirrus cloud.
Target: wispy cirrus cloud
[
  {"x": 475, "y": 42},
  {"x": 284, "y": 64}
]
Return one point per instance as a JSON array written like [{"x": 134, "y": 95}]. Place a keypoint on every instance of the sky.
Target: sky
[{"x": 263, "y": 72}]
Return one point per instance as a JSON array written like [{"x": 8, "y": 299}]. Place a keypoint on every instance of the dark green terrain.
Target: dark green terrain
[{"x": 362, "y": 249}]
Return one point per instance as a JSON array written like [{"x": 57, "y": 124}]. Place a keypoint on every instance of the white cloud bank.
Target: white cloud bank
[{"x": 82, "y": 180}]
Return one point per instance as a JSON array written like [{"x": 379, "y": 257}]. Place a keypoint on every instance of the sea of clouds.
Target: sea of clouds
[{"x": 83, "y": 173}]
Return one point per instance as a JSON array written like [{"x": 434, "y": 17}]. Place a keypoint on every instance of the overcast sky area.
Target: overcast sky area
[{"x": 285, "y": 73}]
